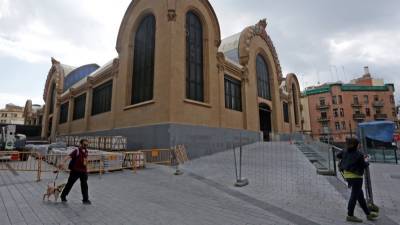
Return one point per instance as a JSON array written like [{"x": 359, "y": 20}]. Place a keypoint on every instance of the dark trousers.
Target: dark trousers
[
  {"x": 73, "y": 177},
  {"x": 356, "y": 195}
]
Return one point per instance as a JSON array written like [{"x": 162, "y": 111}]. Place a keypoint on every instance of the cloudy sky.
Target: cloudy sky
[{"x": 320, "y": 41}]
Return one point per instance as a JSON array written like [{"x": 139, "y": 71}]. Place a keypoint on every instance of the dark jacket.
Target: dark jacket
[{"x": 353, "y": 161}]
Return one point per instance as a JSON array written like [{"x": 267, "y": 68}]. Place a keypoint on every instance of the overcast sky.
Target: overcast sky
[{"x": 320, "y": 41}]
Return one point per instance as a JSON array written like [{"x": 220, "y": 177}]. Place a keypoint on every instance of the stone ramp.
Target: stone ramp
[
  {"x": 280, "y": 175},
  {"x": 151, "y": 197}
]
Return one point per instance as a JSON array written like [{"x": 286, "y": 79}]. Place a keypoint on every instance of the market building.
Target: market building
[
  {"x": 335, "y": 109},
  {"x": 33, "y": 114},
  {"x": 175, "y": 80}
]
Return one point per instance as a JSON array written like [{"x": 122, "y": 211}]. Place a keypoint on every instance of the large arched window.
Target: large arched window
[
  {"x": 294, "y": 96},
  {"x": 194, "y": 58},
  {"x": 143, "y": 65},
  {"x": 52, "y": 98},
  {"x": 263, "y": 84}
]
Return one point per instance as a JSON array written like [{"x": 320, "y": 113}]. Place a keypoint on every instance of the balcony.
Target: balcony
[
  {"x": 323, "y": 119},
  {"x": 380, "y": 116},
  {"x": 378, "y": 104},
  {"x": 356, "y": 105},
  {"x": 323, "y": 106},
  {"x": 359, "y": 116}
]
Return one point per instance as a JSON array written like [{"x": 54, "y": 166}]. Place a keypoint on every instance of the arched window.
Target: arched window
[
  {"x": 294, "y": 96},
  {"x": 52, "y": 98},
  {"x": 263, "y": 84},
  {"x": 194, "y": 58},
  {"x": 143, "y": 65}
]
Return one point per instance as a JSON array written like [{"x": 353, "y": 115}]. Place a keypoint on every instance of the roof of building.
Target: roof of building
[
  {"x": 94, "y": 73},
  {"x": 78, "y": 74},
  {"x": 345, "y": 87},
  {"x": 230, "y": 47}
]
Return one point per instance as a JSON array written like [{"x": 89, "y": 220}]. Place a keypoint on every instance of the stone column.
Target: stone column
[
  {"x": 88, "y": 104},
  {"x": 70, "y": 112},
  {"x": 244, "y": 89},
  {"x": 56, "y": 117},
  {"x": 114, "y": 98},
  {"x": 45, "y": 121}
]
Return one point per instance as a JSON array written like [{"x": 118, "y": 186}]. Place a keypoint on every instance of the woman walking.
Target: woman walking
[{"x": 353, "y": 164}]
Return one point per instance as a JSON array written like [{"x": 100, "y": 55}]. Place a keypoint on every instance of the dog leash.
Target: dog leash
[{"x": 55, "y": 179}]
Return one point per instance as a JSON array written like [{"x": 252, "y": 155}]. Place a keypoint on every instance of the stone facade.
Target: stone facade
[
  {"x": 12, "y": 114},
  {"x": 169, "y": 106},
  {"x": 336, "y": 109},
  {"x": 33, "y": 114}
]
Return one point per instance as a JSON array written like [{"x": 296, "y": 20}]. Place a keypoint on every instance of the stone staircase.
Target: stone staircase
[{"x": 321, "y": 163}]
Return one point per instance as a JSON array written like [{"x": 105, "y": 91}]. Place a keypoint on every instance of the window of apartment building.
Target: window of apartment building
[
  {"x": 102, "y": 98},
  {"x": 285, "y": 112},
  {"x": 322, "y": 101},
  {"x": 194, "y": 57},
  {"x": 79, "y": 107},
  {"x": 341, "y": 112},
  {"x": 378, "y": 111},
  {"x": 366, "y": 100},
  {"x": 376, "y": 98},
  {"x": 143, "y": 61},
  {"x": 392, "y": 99},
  {"x": 334, "y": 100},
  {"x": 64, "y": 113},
  {"x": 340, "y": 99},
  {"x": 324, "y": 115},
  {"x": 355, "y": 99},
  {"x": 335, "y": 113},
  {"x": 15, "y": 115},
  {"x": 337, "y": 125},
  {"x": 343, "y": 125},
  {"x": 394, "y": 112},
  {"x": 233, "y": 96},
  {"x": 357, "y": 111},
  {"x": 263, "y": 81},
  {"x": 367, "y": 112}
]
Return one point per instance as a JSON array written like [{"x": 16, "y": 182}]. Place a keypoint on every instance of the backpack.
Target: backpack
[{"x": 73, "y": 160}]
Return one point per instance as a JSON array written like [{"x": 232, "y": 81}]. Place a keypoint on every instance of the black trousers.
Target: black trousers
[
  {"x": 73, "y": 177},
  {"x": 356, "y": 195}
]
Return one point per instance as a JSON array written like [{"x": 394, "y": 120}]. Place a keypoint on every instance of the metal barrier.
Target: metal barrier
[
  {"x": 133, "y": 160},
  {"x": 15, "y": 161},
  {"x": 158, "y": 156},
  {"x": 20, "y": 161}
]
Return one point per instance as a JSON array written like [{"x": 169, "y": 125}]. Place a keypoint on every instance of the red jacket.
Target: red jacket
[{"x": 79, "y": 156}]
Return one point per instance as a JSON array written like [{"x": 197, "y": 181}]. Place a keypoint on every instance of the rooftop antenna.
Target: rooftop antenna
[
  {"x": 318, "y": 77},
  {"x": 330, "y": 71},
  {"x": 344, "y": 74},
  {"x": 337, "y": 75}
]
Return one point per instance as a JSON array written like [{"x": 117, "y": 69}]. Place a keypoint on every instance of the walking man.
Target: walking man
[
  {"x": 353, "y": 164},
  {"x": 78, "y": 170}
]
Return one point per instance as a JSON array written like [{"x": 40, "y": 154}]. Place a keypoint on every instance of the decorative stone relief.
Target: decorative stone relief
[{"x": 171, "y": 15}]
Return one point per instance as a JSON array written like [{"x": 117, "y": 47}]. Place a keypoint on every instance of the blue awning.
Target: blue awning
[{"x": 377, "y": 130}]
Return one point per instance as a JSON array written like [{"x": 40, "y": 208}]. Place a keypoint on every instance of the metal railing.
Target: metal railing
[
  {"x": 376, "y": 155},
  {"x": 158, "y": 156}
]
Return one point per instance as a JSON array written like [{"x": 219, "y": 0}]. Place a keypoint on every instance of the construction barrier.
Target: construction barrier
[
  {"x": 97, "y": 162},
  {"x": 158, "y": 156},
  {"x": 100, "y": 163}
]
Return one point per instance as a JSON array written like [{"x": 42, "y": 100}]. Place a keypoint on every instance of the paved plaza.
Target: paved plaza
[{"x": 284, "y": 189}]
